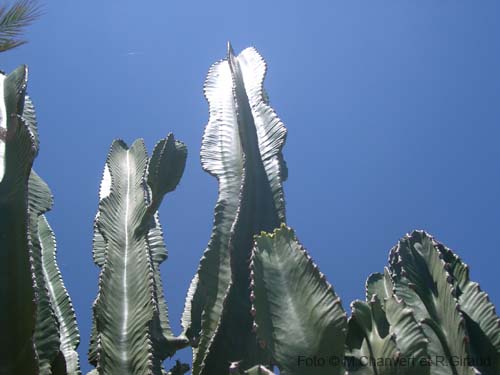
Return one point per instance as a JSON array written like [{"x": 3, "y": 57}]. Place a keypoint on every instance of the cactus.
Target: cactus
[
  {"x": 298, "y": 316},
  {"x": 424, "y": 309},
  {"x": 242, "y": 148},
  {"x": 256, "y": 301},
  {"x": 56, "y": 334},
  {"x": 421, "y": 279},
  {"x": 482, "y": 322},
  {"x": 131, "y": 332},
  {"x": 38, "y": 325},
  {"x": 383, "y": 327}
]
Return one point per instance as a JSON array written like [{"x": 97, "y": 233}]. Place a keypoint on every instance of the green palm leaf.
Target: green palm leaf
[{"x": 13, "y": 21}]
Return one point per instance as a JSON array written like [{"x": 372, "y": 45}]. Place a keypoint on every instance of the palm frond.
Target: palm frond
[{"x": 14, "y": 19}]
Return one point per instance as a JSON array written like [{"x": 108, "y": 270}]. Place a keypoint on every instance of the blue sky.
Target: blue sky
[{"x": 392, "y": 110}]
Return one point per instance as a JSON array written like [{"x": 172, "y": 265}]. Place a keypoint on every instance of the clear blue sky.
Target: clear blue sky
[{"x": 392, "y": 110}]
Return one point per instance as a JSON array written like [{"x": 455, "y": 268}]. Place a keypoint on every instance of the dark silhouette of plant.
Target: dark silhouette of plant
[{"x": 14, "y": 19}]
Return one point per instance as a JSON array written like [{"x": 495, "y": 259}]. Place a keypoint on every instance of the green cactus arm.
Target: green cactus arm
[
  {"x": 131, "y": 333},
  {"x": 421, "y": 279},
  {"x": 271, "y": 132},
  {"x": 99, "y": 257},
  {"x": 407, "y": 331},
  {"x": 483, "y": 324},
  {"x": 222, "y": 157},
  {"x": 55, "y": 319},
  {"x": 385, "y": 329},
  {"x": 93, "y": 345},
  {"x": 158, "y": 251},
  {"x": 46, "y": 336},
  {"x": 297, "y": 313},
  {"x": 124, "y": 307},
  {"x": 165, "y": 169},
  {"x": 60, "y": 300},
  {"x": 98, "y": 247},
  {"x": 98, "y": 242},
  {"x": 29, "y": 117},
  {"x": 242, "y": 148},
  {"x": 380, "y": 285},
  {"x": 369, "y": 340},
  {"x": 18, "y": 149}
]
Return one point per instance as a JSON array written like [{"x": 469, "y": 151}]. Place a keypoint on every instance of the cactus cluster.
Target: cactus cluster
[{"x": 257, "y": 300}]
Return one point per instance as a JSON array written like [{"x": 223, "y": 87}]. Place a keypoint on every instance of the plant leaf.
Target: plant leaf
[
  {"x": 14, "y": 20},
  {"x": 60, "y": 300},
  {"x": 297, "y": 313},
  {"x": 422, "y": 281},
  {"x": 165, "y": 169},
  {"x": 483, "y": 324},
  {"x": 46, "y": 334},
  {"x": 392, "y": 341},
  {"x": 17, "y": 152}
]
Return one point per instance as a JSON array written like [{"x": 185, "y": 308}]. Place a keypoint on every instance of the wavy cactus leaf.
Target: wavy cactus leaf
[
  {"x": 169, "y": 343},
  {"x": 60, "y": 300},
  {"x": 384, "y": 337},
  {"x": 222, "y": 157},
  {"x": 421, "y": 279},
  {"x": 99, "y": 256},
  {"x": 29, "y": 117},
  {"x": 297, "y": 313},
  {"x": 47, "y": 341},
  {"x": 165, "y": 169},
  {"x": 242, "y": 149},
  {"x": 124, "y": 307},
  {"x": 380, "y": 285},
  {"x": 93, "y": 345},
  {"x": 408, "y": 333},
  {"x": 18, "y": 148},
  {"x": 369, "y": 340},
  {"x": 129, "y": 335},
  {"x": 483, "y": 324}
]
